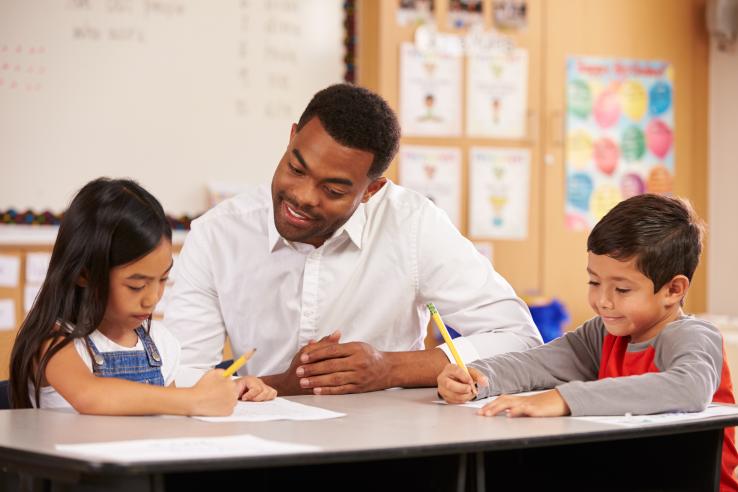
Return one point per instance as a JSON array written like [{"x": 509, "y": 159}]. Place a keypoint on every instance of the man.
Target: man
[{"x": 328, "y": 273}]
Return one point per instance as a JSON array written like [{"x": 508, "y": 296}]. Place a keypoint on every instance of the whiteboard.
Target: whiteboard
[{"x": 172, "y": 93}]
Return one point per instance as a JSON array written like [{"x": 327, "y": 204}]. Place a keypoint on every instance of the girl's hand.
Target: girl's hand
[
  {"x": 546, "y": 404},
  {"x": 256, "y": 390},
  {"x": 215, "y": 395},
  {"x": 456, "y": 386}
]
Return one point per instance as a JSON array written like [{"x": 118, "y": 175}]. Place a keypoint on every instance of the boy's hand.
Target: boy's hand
[
  {"x": 215, "y": 395},
  {"x": 256, "y": 390},
  {"x": 456, "y": 386},
  {"x": 546, "y": 404}
]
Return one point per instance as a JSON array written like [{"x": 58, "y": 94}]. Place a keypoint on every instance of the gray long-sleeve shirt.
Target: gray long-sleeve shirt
[{"x": 687, "y": 353}]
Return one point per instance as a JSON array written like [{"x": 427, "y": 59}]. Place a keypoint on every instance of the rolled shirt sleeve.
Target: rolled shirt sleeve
[{"x": 470, "y": 295}]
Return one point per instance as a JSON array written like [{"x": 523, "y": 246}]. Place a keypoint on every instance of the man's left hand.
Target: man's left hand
[{"x": 339, "y": 368}]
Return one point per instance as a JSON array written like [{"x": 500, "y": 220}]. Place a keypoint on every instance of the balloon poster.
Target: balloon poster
[{"x": 619, "y": 134}]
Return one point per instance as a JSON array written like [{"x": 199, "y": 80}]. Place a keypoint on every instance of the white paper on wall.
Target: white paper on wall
[
  {"x": 436, "y": 173},
  {"x": 36, "y": 266},
  {"x": 499, "y": 184},
  {"x": 30, "y": 291},
  {"x": 7, "y": 314},
  {"x": 9, "y": 271}
]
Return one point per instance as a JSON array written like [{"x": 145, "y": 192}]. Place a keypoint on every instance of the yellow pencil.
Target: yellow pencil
[
  {"x": 238, "y": 363},
  {"x": 447, "y": 338}
]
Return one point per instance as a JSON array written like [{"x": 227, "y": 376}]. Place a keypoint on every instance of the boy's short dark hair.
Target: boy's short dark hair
[
  {"x": 663, "y": 233},
  {"x": 357, "y": 118}
]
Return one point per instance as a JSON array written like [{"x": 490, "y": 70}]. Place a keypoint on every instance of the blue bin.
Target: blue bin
[{"x": 549, "y": 318}]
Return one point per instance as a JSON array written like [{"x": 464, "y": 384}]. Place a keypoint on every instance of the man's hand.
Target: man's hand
[
  {"x": 338, "y": 368},
  {"x": 327, "y": 367},
  {"x": 546, "y": 404},
  {"x": 288, "y": 383}
]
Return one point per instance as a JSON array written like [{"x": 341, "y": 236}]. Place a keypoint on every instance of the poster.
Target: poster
[
  {"x": 619, "y": 134},
  {"x": 430, "y": 92},
  {"x": 9, "y": 270},
  {"x": 436, "y": 173},
  {"x": 414, "y": 12},
  {"x": 499, "y": 186},
  {"x": 30, "y": 292},
  {"x": 36, "y": 266},
  {"x": 464, "y": 13},
  {"x": 7, "y": 314},
  {"x": 497, "y": 93}
]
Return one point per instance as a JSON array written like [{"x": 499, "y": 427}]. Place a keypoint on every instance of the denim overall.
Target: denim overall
[{"x": 140, "y": 366}]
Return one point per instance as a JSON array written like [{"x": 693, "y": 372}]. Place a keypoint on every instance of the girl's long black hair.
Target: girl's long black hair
[{"x": 110, "y": 222}]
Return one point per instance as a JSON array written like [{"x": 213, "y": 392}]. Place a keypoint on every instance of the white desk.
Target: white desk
[{"x": 394, "y": 440}]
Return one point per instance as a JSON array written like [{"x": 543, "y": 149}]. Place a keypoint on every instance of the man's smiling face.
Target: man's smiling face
[{"x": 318, "y": 185}]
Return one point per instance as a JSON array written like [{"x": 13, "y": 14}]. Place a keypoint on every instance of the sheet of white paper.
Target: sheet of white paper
[
  {"x": 497, "y": 93},
  {"x": 183, "y": 448},
  {"x": 499, "y": 187},
  {"x": 436, "y": 173},
  {"x": 36, "y": 266},
  {"x": 7, "y": 314},
  {"x": 277, "y": 409},
  {"x": 9, "y": 271},
  {"x": 30, "y": 291},
  {"x": 430, "y": 92},
  {"x": 713, "y": 410}
]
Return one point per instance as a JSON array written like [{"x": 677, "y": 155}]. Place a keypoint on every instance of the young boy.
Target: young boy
[{"x": 641, "y": 354}]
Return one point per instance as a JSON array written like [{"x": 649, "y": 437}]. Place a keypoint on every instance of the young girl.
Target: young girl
[{"x": 88, "y": 341}]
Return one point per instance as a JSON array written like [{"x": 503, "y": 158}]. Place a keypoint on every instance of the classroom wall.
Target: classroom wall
[
  {"x": 722, "y": 268},
  {"x": 551, "y": 261}
]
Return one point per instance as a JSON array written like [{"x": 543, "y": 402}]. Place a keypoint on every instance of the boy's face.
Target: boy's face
[{"x": 624, "y": 298}]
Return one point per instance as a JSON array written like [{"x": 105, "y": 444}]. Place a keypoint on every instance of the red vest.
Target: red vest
[{"x": 617, "y": 361}]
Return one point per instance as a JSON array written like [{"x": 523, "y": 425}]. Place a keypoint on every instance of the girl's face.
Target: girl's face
[{"x": 135, "y": 288}]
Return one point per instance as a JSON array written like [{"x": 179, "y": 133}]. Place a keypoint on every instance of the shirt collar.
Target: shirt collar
[
  {"x": 353, "y": 228},
  {"x": 274, "y": 238}
]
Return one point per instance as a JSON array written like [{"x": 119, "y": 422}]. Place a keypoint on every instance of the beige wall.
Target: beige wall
[
  {"x": 552, "y": 260},
  {"x": 722, "y": 268}
]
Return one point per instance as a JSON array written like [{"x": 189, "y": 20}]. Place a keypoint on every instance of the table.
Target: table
[{"x": 391, "y": 440}]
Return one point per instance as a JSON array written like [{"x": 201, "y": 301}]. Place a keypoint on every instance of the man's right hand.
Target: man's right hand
[{"x": 287, "y": 383}]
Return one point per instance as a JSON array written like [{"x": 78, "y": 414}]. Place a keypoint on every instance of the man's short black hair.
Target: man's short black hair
[
  {"x": 662, "y": 233},
  {"x": 359, "y": 119}
]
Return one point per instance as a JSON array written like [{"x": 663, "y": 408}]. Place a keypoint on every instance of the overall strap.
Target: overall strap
[
  {"x": 149, "y": 346},
  {"x": 97, "y": 359}
]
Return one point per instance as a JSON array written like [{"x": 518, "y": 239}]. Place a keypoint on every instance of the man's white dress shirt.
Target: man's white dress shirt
[{"x": 371, "y": 280}]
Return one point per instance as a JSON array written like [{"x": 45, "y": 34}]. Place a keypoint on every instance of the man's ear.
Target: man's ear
[
  {"x": 293, "y": 130},
  {"x": 373, "y": 187},
  {"x": 675, "y": 289}
]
